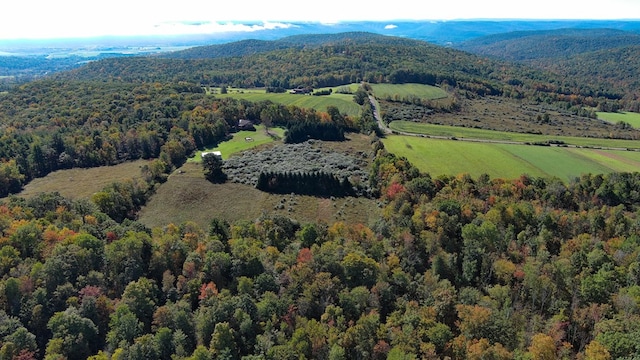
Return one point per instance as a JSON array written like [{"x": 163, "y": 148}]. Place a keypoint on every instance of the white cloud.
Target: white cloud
[
  {"x": 390, "y": 27},
  {"x": 81, "y": 18},
  {"x": 205, "y": 27}
]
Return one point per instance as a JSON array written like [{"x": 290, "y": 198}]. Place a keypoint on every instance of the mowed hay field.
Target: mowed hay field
[
  {"x": 83, "y": 183},
  {"x": 408, "y": 90},
  {"x": 344, "y": 102},
  {"x": 472, "y": 133},
  {"x": 450, "y": 157},
  {"x": 630, "y": 118},
  {"x": 188, "y": 196}
]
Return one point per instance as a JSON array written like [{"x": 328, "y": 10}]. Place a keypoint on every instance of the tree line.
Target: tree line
[{"x": 317, "y": 183}]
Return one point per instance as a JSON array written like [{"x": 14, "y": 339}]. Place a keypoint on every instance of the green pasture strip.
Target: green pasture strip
[
  {"x": 630, "y": 118},
  {"x": 618, "y": 161},
  {"x": 239, "y": 143},
  {"x": 407, "y": 90},
  {"x": 344, "y": 102},
  {"x": 438, "y": 156},
  {"x": 448, "y": 157},
  {"x": 563, "y": 163},
  {"x": 472, "y": 133}
]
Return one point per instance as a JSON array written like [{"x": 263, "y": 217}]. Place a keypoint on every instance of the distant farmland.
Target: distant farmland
[
  {"x": 465, "y": 132},
  {"x": 344, "y": 102},
  {"x": 509, "y": 161}
]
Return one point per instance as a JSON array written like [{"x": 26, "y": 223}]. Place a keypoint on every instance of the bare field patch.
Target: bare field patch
[
  {"x": 82, "y": 183},
  {"x": 188, "y": 196}
]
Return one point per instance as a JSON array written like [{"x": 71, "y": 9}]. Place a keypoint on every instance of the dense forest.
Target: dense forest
[
  {"x": 529, "y": 268},
  {"x": 557, "y": 44},
  {"x": 454, "y": 267}
]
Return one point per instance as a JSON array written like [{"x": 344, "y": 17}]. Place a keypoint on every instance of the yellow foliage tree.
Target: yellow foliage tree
[
  {"x": 596, "y": 351},
  {"x": 542, "y": 347}
]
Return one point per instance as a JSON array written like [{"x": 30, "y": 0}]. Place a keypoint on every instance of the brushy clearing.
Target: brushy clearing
[
  {"x": 308, "y": 157},
  {"x": 187, "y": 196}
]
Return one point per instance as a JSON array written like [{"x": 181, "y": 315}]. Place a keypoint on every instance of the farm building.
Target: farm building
[
  {"x": 245, "y": 125},
  {"x": 300, "y": 90}
]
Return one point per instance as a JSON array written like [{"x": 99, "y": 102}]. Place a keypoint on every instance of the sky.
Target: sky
[{"x": 46, "y": 19}]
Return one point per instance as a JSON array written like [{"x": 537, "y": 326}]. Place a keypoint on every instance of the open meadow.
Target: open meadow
[
  {"x": 401, "y": 91},
  {"x": 82, "y": 183},
  {"x": 438, "y": 156},
  {"x": 243, "y": 140},
  {"x": 630, "y": 118},
  {"x": 344, "y": 102}
]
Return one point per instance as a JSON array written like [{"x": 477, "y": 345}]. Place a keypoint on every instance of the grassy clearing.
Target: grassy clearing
[
  {"x": 83, "y": 183},
  {"x": 408, "y": 90},
  {"x": 344, "y": 102},
  {"x": 553, "y": 161},
  {"x": 239, "y": 143},
  {"x": 450, "y": 157},
  {"x": 437, "y": 157},
  {"x": 463, "y": 132},
  {"x": 630, "y": 118},
  {"x": 187, "y": 196}
]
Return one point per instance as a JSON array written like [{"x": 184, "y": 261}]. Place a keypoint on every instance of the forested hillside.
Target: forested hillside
[
  {"x": 372, "y": 58},
  {"x": 253, "y": 46},
  {"x": 610, "y": 69},
  {"x": 356, "y": 57},
  {"x": 455, "y": 267},
  {"x": 550, "y": 44},
  {"x": 603, "y": 59}
]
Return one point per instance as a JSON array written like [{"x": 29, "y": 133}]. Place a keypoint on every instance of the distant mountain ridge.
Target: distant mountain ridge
[
  {"x": 548, "y": 44},
  {"x": 304, "y": 41},
  {"x": 445, "y": 33}
]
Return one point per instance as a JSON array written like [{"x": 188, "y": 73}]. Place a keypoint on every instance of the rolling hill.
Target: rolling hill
[
  {"x": 601, "y": 60},
  {"x": 550, "y": 44},
  {"x": 336, "y": 60}
]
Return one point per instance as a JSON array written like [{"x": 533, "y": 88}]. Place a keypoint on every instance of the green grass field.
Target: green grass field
[
  {"x": 630, "y": 118},
  {"x": 239, "y": 143},
  {"x": 449, "y": 157},
  {"x": 344, "y": 102},
  {"x": 462, "y": 132},
  {"x": 421, "y": 91},
  {"x": 83, "y": 183}
]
